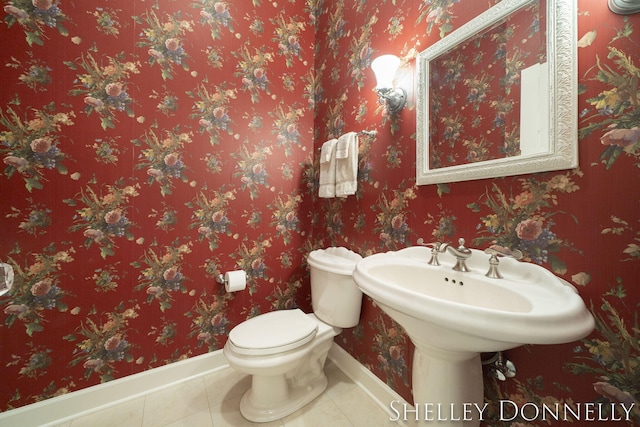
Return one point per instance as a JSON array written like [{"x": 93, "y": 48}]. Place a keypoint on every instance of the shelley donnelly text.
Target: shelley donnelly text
[
  {"x": 589, "y": 411},
  {"x": 509, "y": 410},
  {"x": 437, "y": 411}
]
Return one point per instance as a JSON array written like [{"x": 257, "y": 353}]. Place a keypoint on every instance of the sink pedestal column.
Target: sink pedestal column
[{"x": 447, "y": 387}]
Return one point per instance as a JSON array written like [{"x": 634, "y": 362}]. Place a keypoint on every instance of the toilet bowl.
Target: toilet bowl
[{"x": 285, "y": 351}]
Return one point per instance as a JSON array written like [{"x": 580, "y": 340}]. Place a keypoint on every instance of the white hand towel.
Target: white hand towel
[
  {"x": 347, "y": 164},
  {"x": 328, "y": 169}
]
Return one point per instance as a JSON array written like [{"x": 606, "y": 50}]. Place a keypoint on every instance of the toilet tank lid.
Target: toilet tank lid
[{"x": 338, "y": 260}]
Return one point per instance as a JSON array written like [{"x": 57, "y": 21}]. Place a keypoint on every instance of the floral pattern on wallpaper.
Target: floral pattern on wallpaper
[
  {"x": 524, "y": 219},
  {"x": 35, "y": 16},
  {"x": 37, "y": 289},
  {"x": 31, "y": 143},
  {"x": 613, "y": 355},
  {"x": 103, "y": 218},
  {"x": 148, "y": 147},
  {"x": 561, "y": 220},
  {"x": 163, "y": 146},
  {"x": 104, "y": 86}
]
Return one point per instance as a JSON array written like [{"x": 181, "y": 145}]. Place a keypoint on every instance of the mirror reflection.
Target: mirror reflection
[
  {"x": 475, "y": 113},
  {"x": 498, "y": 96}
]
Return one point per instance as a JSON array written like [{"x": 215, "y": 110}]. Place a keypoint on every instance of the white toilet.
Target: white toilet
[{"x": 285, "y": 350}]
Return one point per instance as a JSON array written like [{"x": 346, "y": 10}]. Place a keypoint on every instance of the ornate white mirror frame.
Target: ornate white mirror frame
[{"x": 562, "y": 151}]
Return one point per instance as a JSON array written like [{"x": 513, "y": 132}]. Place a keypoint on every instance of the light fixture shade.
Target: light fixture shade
[{"x": 384, "y": 67}]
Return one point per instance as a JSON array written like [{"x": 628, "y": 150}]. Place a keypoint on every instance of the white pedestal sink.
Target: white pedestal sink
[{"x": 452, "y": 316}]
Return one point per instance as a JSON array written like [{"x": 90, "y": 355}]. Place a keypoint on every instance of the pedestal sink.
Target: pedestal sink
[{"x": 453, "y": 316}]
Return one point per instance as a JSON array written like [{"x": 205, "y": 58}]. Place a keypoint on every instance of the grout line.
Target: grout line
[{"x": 144, "y": 407}]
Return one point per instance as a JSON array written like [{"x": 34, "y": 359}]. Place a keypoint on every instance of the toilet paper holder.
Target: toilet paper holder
[
  {"x": 222, "y": 279},
  {"x": 233, "y": 281}
]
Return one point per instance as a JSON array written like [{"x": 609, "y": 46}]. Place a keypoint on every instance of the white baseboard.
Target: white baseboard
[
  {"x": 377, "y": 389},
  {"x": 64, "y": 408}
]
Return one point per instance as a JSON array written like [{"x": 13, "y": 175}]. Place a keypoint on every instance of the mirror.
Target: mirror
[{"x": 498, "y": 96}]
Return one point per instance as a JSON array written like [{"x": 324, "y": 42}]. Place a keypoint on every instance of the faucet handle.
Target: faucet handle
[
  {"x": 495, "y": 251},
  {"x": 436, "y": 247},
  {"x": 439, "y": 246}
]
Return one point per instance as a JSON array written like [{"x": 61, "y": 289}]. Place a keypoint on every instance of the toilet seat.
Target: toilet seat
[{"x": 273, "y": 332}]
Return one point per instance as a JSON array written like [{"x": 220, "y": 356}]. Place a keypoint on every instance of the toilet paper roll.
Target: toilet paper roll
[{"x": 235, "y": 281}]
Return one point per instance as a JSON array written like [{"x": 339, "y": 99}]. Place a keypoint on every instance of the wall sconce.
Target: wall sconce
[
  {"x": 624, "y": 7},
  {"x": 385, "y": 67}
]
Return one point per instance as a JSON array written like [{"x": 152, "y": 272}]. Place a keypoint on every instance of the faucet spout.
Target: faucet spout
[{"x": 462, "y": 254}]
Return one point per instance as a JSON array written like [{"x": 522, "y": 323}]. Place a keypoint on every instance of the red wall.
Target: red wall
[
  {"x": 180, "y": 139},
  {"x": 167, "y": 170},
  {"x": 585, "y": 222}
]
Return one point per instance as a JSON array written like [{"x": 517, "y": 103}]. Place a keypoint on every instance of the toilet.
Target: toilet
[{"x": 284, "y": 351}]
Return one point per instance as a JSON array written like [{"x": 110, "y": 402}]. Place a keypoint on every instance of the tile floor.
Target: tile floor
[{"x": 213, "y": 401}]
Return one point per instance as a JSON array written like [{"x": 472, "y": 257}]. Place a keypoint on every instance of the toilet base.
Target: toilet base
[{"x": 271, "y": 398}]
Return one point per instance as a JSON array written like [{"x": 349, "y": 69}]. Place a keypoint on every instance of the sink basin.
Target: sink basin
[
  {"x": 453, "y": 316},
  {"x": 529, "y": 305}
]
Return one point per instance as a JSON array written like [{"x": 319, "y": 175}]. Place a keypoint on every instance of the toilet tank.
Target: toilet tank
[{"x": 335, "y": 297}]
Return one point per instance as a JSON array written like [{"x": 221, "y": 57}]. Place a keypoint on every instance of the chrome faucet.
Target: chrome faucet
[
  {"x": 436, "y": 248},
  {"x": 462, "y": 254}
]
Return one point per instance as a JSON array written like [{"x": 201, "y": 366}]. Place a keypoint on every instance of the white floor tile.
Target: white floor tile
[
  {"x": 214, "y": 401},
  {"x": 127, "y": 414},
  {"x": 199, "y": 419},
  {"x": 319, "y": 413},
  {"x": 361, "y": 410},
  {"x": 226, "y": 384},
  {"x": 339, "y": 382},
  {"x": 175, "y": 403},
  {"x": 227, "y": 413}
]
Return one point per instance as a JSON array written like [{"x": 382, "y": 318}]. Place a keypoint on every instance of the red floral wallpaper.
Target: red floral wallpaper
[
  {"x": 581, "y": 224},
  {"x": 149, "y": 146}
]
